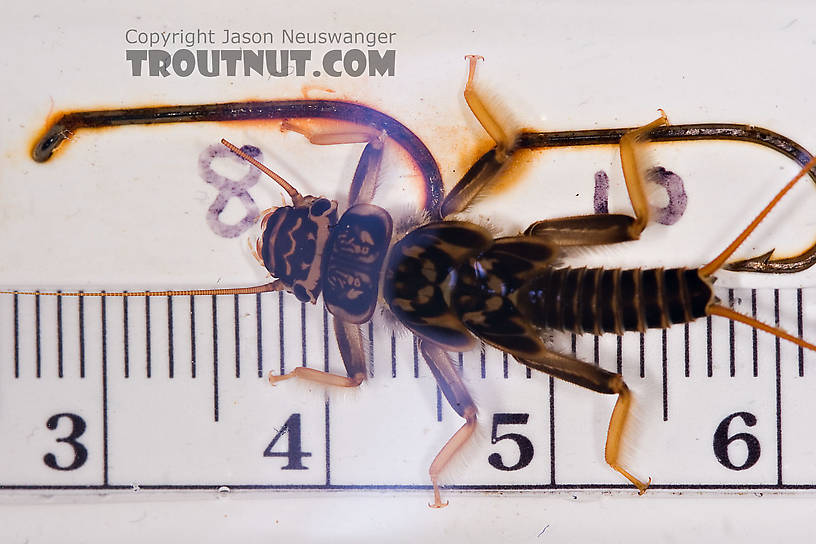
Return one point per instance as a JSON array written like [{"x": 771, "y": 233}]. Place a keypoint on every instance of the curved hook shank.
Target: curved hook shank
[
  {"x": 694, "y": 132},
  {"x": 62, "y": 128}
]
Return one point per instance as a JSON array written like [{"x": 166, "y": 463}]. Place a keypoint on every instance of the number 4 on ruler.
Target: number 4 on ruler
[{"x": 294, "y": 451}]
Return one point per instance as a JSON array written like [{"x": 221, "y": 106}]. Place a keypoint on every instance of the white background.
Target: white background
[{"x": 114, "y": 208}]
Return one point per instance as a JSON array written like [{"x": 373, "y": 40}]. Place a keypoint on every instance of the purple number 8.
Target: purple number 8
[{"x": 229, "y": 188}]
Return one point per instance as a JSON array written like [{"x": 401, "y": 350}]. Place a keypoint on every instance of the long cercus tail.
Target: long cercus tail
[{"x": 718, "y": 262}]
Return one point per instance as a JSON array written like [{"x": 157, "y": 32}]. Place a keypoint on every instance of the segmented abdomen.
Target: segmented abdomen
[{"x": 598, "y": 300}]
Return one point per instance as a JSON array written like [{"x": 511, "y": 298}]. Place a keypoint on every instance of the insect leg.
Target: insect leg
[
  {"x": 630, "y": 145},
  {"x": 350, "y": 341},
  {"x": 450, "y": 382},
  {"x": 333, "y": 133},
  {"x": 364, "y": 183},
  {"x": 597, "y": 379},
  {"x": 584, "y": 230},
  {"x": 488, "y": 166},
  {"x": 607, "y": 228},
  {"x": 483, "y": 115}
]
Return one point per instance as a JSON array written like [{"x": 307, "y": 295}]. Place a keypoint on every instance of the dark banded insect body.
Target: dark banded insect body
[
  {"x": 447, "y": 281},
  {"x": 598, "y": 301}
]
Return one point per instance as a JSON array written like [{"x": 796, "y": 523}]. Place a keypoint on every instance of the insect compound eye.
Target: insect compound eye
[
  {"x": 300, "y": 293},
  {"x": 320, "y": 206}
]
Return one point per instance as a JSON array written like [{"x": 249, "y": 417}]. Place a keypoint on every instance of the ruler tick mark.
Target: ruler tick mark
[
  {"x": 754, "y": 333},
  {"x": 37, "y": 345},
  {"x": 104, "y": 329},
  {"x": 778, "y": 393},
  {"x": 59, "y": 337},
  {"x": 215, "y": 356},
  {"x": 438, "y": 404},
  {"x": 259, "y": 333},
  {"x": 303, "y": 351},
  {"x": 192, "y": 337},
  {"x": 709, "y": 349},
  {"x": 800, "y": 331},
  {"x": 171, "y": 370},
  {"x": 282, "y": 335},
  {"x": 81, "y": 310},
  {"x": 595, "y": 351},
  {"x": 327, "y": 414},
  {"x": 552, "y": 430},
  {"x": 686, "y": 350},
  {"x": 642, "y": 355},
  {"x": 371, "y": 348},
  {"x": 393, "y": 355},
  {"x": 325, "y": 339},
  {"x": 148, "y": 355},
  {"x": 732, "y": 358},
  {"x": 16, "y": 337},
  {"x": 665, "y": 358},
  {"x": 416, "y": 357},
  {"x": 125, "y": 335},
  {"x": 236, "y": 319}
]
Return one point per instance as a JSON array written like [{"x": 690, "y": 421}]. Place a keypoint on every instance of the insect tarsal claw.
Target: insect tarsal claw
[{"x": 642, "y": 490}]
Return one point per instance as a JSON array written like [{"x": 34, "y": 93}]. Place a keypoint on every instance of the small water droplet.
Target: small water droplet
[
  {"x": 224, "y": 490},
  {"x": 135, "y": 488}
]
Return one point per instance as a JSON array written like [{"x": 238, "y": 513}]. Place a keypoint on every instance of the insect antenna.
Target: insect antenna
[
  {"x": 266, "y": 288},
  {"x": 296, "y": 196},
  {"x": 719, "y": 261}
]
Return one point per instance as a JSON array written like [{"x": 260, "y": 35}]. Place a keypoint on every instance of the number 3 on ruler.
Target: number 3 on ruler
[{"x": 80, "y": 451}]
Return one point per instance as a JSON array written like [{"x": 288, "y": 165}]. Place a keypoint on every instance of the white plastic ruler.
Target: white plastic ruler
[{"x": 170, "y": 393}]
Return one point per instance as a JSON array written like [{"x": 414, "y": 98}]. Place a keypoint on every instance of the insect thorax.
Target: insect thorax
[
  {"x": 310, "y": 251},
  {"x": 354, "y": 258},
  {"x": 419, "y": 275}
]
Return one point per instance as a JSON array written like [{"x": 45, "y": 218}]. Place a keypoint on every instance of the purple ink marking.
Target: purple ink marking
[
  {"x": 673, "y": 211},
  {"x": 601, "y": 196},
  {"x": 667, "y": 215},
  {"x": 229, "y": 188}
]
